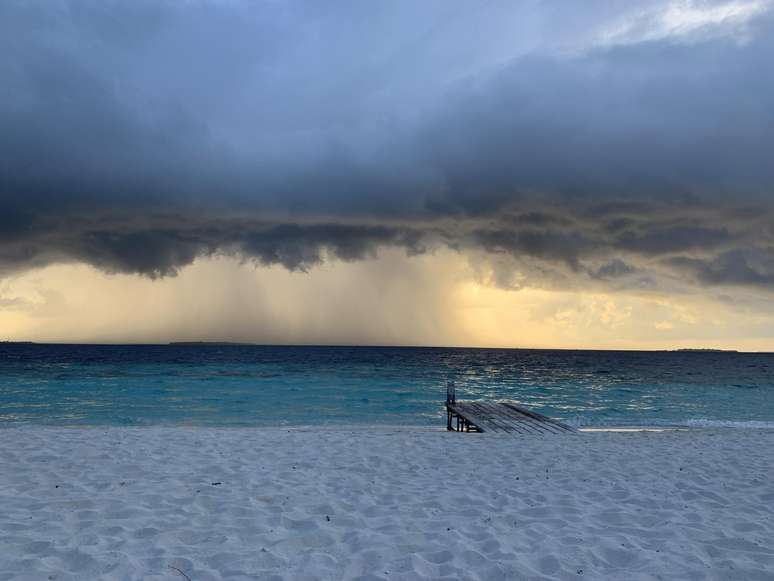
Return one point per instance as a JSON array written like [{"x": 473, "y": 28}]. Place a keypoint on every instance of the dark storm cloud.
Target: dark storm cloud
[
  {"x": 653, "y": 121},
  {"x": 138, "y": 136},
  {"x": 735, "y": 267},
  {"x": 660, "y": 239},
  {"x": 614, "y": 269},
  {"x": 160, "y": 245},
  {"x": 561, "y": 246}
]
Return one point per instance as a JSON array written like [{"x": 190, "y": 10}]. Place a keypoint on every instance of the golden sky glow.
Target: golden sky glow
[{"x": 435, "y": 299}]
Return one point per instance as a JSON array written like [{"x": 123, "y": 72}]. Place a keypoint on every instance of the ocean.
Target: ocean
[{"x": 246, "y": 385}]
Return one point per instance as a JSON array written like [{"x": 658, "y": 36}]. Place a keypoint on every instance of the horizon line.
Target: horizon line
[{"x": 196, "y": 343}]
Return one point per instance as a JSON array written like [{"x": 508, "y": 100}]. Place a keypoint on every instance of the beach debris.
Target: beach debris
[{"x": 179, "y": 571}]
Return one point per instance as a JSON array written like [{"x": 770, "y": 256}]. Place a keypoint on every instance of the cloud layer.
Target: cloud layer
[{"x": 631, "y": 151}]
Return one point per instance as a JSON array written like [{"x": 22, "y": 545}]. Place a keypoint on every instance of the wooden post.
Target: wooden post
[{"x": 451, "y": 399}]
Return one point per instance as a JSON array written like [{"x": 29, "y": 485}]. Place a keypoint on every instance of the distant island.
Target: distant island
[
  {"x": 205, "y": 343},
  {"x": 689, "y": 350}
]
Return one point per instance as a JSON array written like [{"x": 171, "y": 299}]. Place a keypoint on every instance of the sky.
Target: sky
[{"x": 545, "y": 173}]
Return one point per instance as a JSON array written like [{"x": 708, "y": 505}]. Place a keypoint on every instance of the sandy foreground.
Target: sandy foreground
[{"x": 166, "y": 503}]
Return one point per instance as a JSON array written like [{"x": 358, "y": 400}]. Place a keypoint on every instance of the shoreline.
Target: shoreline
[{"x": 701, "y": 425}]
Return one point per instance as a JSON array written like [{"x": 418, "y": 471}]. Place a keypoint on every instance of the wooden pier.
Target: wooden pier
[{"x": 501, "y": 416}]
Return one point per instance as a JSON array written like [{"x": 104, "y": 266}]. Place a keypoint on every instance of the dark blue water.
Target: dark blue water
[{"x": 136, "y": 385}]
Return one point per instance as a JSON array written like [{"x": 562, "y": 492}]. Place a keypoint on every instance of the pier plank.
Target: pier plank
[
  {"x": 536, "y": 424},
  {"x": 501, "y": 417},
  {"x": 483, "y": 423},
  {"x": 484, "y": 410},
  {"x": 539, "y": 417},
  {"x": 520, "y": 419}
]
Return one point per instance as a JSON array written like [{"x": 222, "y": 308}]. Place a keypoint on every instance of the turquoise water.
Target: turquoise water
[{"x": 136, "y": 385}]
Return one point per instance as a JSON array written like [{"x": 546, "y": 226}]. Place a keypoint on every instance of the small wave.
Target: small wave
[
  {"x": 580, "y": 422},
  {"x": 702, "y": 423}
]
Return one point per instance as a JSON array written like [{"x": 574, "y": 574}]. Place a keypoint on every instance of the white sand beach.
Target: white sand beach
[{"x": 166, "y": 503}]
